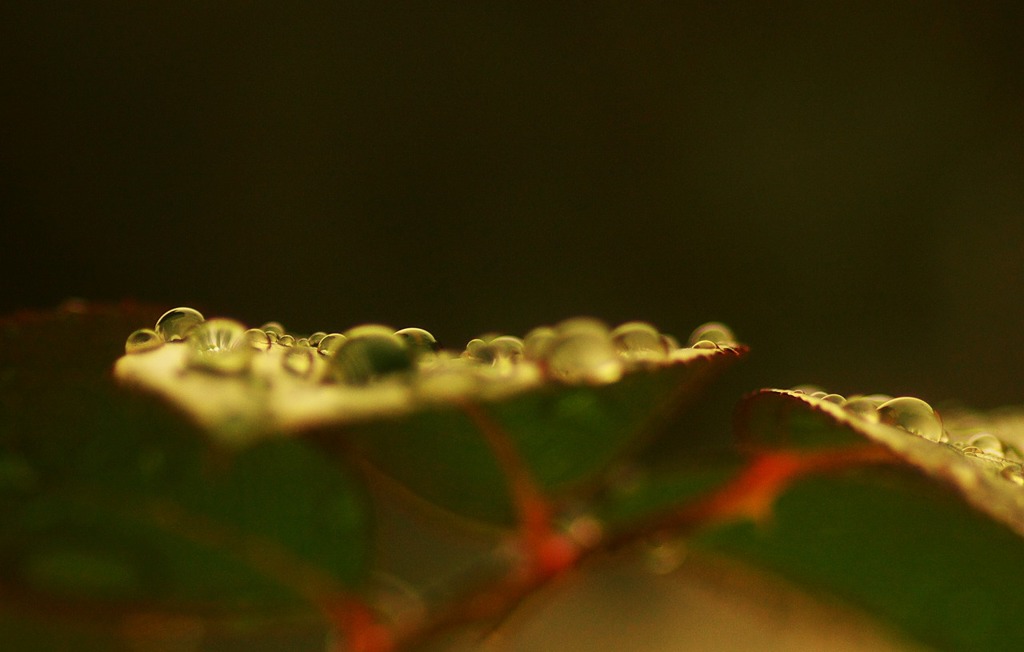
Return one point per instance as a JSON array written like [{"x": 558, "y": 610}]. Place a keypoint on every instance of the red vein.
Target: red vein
[{"x": 550, "y": 551}]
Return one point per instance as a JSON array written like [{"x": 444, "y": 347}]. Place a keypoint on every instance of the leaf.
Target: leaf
[
  {"x": 931, "y": 545},
  {"x": 113, "y": 507},
  {"x": 565, "y": 435}
]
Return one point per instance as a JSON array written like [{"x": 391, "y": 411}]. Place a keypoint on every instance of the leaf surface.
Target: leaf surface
[{"x": 115, "y": 507}]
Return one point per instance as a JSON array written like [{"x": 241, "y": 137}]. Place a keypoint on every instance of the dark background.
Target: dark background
[{"x": 842, "y": 183}]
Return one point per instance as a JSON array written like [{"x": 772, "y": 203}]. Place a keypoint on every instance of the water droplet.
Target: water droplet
[
  {"x": 286, "y": 340},
  {"x": 806, "y": 389},
  {"x": 497, "y": 351},
  {"x": 579, "y": 325},
  {"x": 584, "y": 357},
  {"x": 538, "y": 341},
  {"x": 302, "y": 342},
  {"x": 913, "y": 415},
  {"x": 838, "y": 399},
  {"x": 1013, "y": 474},
  {"x": 704, "y": 344},
  {"x": 368, "y": 354},
  {"x": 986, "y": 443},
  {"x": 274, "y": 327},
  {"x": 865, "y": 407},
  {"x": 638, "y": 341},
  {"x": 419, "y": 341},
  {"x": 144, "y": 339},
  {"x": 713, "y": 331},
  {"x": 670, "y": 343},
  {"x": 220, "y": 345},
  {"x": 175, "y": 324},
  {"x": 299, "y": 361},
  {"x": 369, "y": 329},
  {"x": 818, "y": 394},
  {"x": 258, "y": 339},
  {"x": 330, "y": 343},
  {"x": 314, "y": 339}
]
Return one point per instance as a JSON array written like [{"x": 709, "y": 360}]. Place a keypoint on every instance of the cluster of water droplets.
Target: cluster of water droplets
[
  {"x": 575, "y": 351},
  {"x": 917, "y": 417}
]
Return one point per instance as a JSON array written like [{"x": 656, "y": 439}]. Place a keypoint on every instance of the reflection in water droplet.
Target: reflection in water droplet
[
  {"x": 986, "y": 443},
  {"x": 806, "y": 389},
  {"x": 220, "y": 345},
  {"x": 713, "y": 331},
  {"x": 913, "y": 415},
  {"x": 1013, "y": 474},
  {"x": 144, "y": 339},
  {"x": 419, "y": 341},
  {"x": 314, "y": 339},
  {"x": 637, "y": 340},
  {"x": 258, "y": 339},
  {"x": 865, "y": 407},
  {"x": 704, "y": 344},
  {"x": 497, "y": 351},
  {"x": 330, "y": 343},
  {"x": 175, "y": 324},
  {"x": 584, "y": 357},
  {"x": 274, "y": 327},
  {"x": 300, "y": 361},
  {"x": 369, "y": 354}
]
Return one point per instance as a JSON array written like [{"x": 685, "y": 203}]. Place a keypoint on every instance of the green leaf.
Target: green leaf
[
  {"x": 931, "y": 544},
  {"x": 565, "y": 435},
  {"x": 113, "y": 505}
]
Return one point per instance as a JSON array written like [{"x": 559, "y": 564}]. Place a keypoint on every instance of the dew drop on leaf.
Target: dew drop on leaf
[
  {"x": 258, "y": 339},
  {"x": 584, "y": 357},
  {"x": 314, "y": 339},
  {"x": 704, "y": 344},
  {"x": 175, "y": 324},
  {"x": 330, "y": 343},
  {"x": 220, "y": 345},
  {"x": 713, "y": 331},
  {"x": 497, "y": 351},
  {"x": 144, "y": 339},
  {"x": 637, "y": 340},
  {"x": 538, "y": 341},
  {"x": 299, "y": 361},
  {"x": 838, "y": 399},
  {"x": 913, "y": 415},
  {"x": 286, "y": 340},
  {"x": 274, "y": 327},
  {"x": 986, "y": 443},
  {"x": 419, "y": 341},
  {"x": 370, "y": 352}
]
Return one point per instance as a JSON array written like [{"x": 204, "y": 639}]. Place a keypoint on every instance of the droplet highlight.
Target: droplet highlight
[
  {"x": 220, "y": 345},
  {"x": 175, "y": 324},
  {"x": 142, "y": 340},
  {"x": 639, "y": 342},
  {"x": 912, "y": 415},
  {"x": 713, "y": 331}
]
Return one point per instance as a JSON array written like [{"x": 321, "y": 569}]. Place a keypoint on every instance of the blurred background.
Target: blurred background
[{"x": 842, "y": 183}]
